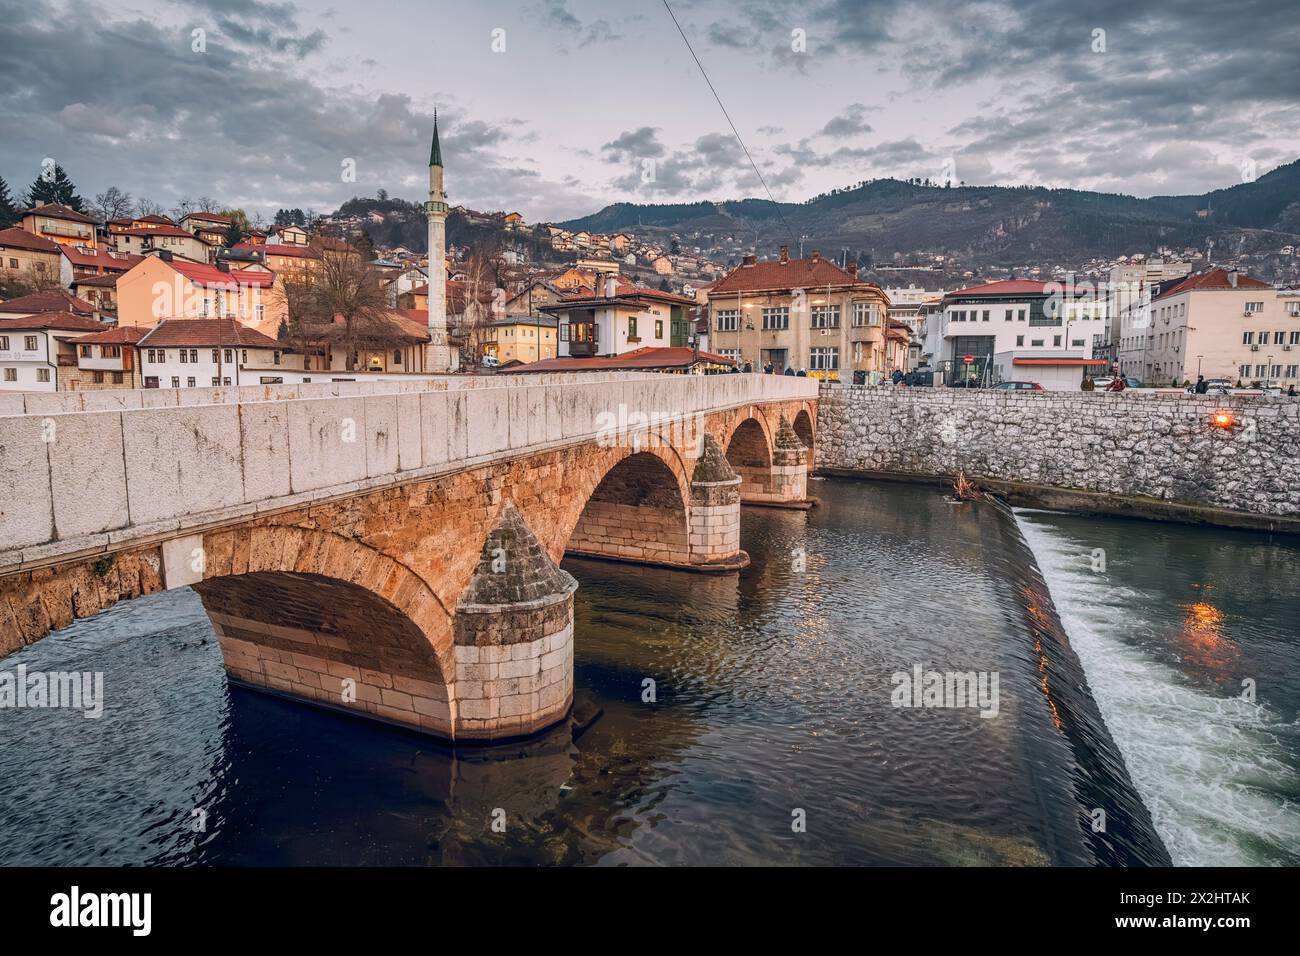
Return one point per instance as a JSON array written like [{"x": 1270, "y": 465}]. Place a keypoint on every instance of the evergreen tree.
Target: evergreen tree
[
  {"x": 8, "y": 211},
  {"x": 364, "y": 245},
  {"x": 55, "y": 188}
]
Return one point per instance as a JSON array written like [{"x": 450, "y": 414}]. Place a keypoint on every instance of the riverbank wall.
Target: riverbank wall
[{"x": 1228, "y": 461}]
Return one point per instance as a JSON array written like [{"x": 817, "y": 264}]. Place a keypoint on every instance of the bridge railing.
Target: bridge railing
[{"x": 85, "y": 481}]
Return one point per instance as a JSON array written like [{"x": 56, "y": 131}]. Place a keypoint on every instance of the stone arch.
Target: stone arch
[
  {"x": 805, "y": 427},
  {"x": 749, "y": 452},
  {"x": 300, "y": 611},
  {"x": 638, "y": 510}
]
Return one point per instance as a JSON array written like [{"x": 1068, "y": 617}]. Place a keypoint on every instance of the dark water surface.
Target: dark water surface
[{"x": 773, "y": 703}]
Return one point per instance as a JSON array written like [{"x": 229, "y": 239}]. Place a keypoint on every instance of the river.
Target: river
[{"x": 768, "y": 734}]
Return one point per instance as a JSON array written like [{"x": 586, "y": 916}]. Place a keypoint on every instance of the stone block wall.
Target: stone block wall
[{"x": 1165, "y": 447}]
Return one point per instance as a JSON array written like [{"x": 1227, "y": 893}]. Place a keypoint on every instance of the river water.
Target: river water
[{"x": 739, "y": 720}]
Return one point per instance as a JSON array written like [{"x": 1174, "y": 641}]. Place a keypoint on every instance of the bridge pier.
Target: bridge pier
[
  {"x": 715, "y": 512},
  {"x": 513, "y": 637}
]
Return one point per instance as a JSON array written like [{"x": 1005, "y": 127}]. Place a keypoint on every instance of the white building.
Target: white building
[
  {"x": 1018, "y": 330},
  {"x": 621, "y": 319},
  {"x": 35, "y": 348},
  {"x": 202, "y": 353}
]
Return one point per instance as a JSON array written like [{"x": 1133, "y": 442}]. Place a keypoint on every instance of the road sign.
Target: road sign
[{"x": 968, "y": 359}]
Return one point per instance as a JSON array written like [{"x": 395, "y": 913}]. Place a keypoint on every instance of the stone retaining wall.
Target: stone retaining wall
[{"x": 1165, "y": 447}]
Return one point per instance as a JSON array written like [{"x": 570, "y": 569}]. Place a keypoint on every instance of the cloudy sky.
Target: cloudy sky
[{"x": 557, "y": 107}]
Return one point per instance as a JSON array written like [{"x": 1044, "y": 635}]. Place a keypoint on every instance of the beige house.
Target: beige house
[
  {"x": 521, "y": 338},
  {"x": 28, "y": 258},
  {"x": 1219, "y": 324},
  {"x": 158, "y": 237},
  {"x": 58, "y": 223},
  {"x": 164, "y": 287},
  {"x": 800, "y": 314}
]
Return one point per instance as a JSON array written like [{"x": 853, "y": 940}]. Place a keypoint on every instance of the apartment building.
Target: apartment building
[
  {"x": 1130, "y": 287},
  {"x": 59, "y": 223},
  {"x": 1218, "y": 323},
  {"x": 1020, "y": 330},
  {"x": 801, "y": 314},
  {"x": 169, "y": 287}
]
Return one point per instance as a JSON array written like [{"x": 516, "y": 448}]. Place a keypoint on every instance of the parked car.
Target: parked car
[
  {"x": 489, "y": 361},
  {"x": 1019, "y": 386},
  {"x": 1129, "y": 382}
]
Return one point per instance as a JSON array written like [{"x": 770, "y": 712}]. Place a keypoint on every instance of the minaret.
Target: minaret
[{"x": 437, "y": 354}]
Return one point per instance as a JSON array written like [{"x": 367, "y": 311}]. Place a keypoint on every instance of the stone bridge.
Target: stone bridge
[{"x": 388, "y": 548}]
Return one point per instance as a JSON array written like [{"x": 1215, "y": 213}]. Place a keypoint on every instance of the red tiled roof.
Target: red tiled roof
[
  {"x": 1213, "y": 279},
  {"x": 200, "y": 273},
  {"x": 59, "y": 301},
  {"x": 106, "y": 281},
  {"x": 202, "y": 332},
  {"x": 1009, "y": 287},
  {"x": 56, "y": 210},
  {"x": 162, "y": 220},
  {"x": 64, "y": 321},
  {"x": 646, "y": 358},
  {"x": 100, "y": 258},
  {"x": 15, "y": 238},
  {"x": 295, "y": 251},
  {"x": 418, "y": 319},
  {"x": 120, "y": 335},
  {"x": 794, "y": 274},
  {"x": 210, "y": 217}
]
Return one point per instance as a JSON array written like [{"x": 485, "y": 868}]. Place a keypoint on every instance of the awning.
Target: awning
[{"x": 1057, "y": 361}]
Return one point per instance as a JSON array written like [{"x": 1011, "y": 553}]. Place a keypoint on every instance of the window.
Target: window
[
  {"x": 826, "y": 317},
  {"x": 1056, "y": 341},
  {"x": 564, "y": 331},
  {"x": 29, "y": 343},
  {"x": 275, "y": 358},
  {"x": 1293, "y": 340},
  {"x": 857, "y": 353},
  {"x": 1291, "y": 370},
  {"x": 1243, "y": 371},
  {"x": 216, "y": 356},
  {"x": 1010, "y": 315},
  {"x": 258, "y": 311},
  {"x": 659, "y": 328},
  {"x": 397, "y": 356},
  {"x": 1020, "y": 315},
  {"x": 243, "y": 356},
  {"x": 185, "y": 356},
  {"x": 986, "y": 315},
  {"x": 1036, "y": 342},
  {"x": 228, "y": 355},
  {"x": 728, "y": 320},
  {"x": 631, "y": 327},
  {"x": 1254, "y": 306},
  {"x": 1076, "y": 343},
  {"x": 1275, "y": 372},
  {"x": 776, "y": 318},
  {"x": 825, "y": 359},
  {"x": 1259, "y": 371},
  {"x": 84, "y": 350},
  {"x": 97, "y": 378},
  {"x": 733, "y": 354},
  {"x": 1278, "y": 337},
  {"x": 866, "y": 313},
  {"x": 13, "y": 263},
  {"x": 1293, "y": 309},
  {"x": 1020, "y": 340},
  {"x": 225, "y": 380},
  {"x": 4, "y": 343},
  {"x": 176, "y": 381},
  {"x": 194, "y": 356},
  {"x": 117, "y": 378},
  {"x": 11, "y": 375},
  {"x": 42, "y": 375},
  {"x": 1247, "y": 338}
]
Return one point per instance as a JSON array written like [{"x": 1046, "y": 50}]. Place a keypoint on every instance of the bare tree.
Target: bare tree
[
  {"x": 335, "y": 298},
  {"x": 147, "y": 207},
  {"x": 206, "y": 204},
  {"x": 112, "y": 203},
  {"x": 473, "y": 305}
]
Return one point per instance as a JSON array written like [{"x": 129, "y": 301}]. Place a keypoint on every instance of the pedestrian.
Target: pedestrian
[
  {"x": 789, "y": 370},
  {"x": 1201, "y": 386},
  {"x": 1088, "y": 384},
  {"x": 896, "y": 377},
  {"x": 767, "y": 368},
  {"x": 803, "y": 373},
  {"x": 1291, "y": 391},
  {"x": 1117, "y": 384}
]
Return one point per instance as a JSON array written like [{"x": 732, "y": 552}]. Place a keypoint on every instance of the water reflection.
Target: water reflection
[{"x": 770, "y": 695}]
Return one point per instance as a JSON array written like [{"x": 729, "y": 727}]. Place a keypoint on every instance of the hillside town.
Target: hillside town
[{"x": 208, "y": 298}]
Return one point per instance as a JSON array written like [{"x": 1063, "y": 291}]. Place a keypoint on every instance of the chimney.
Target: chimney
[
  {"x": 785, "y": 254},
  {"x": 816, "y": 255},
  {"x": 853, "y": 268},
  {"x": 749, "y": 261},
  {"x": 611, "y": 287},
  {"x": 1232, "y": 278}
]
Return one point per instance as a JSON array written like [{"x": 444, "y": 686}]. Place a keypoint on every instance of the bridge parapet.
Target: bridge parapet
[{"x": 84, "y": 482}]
